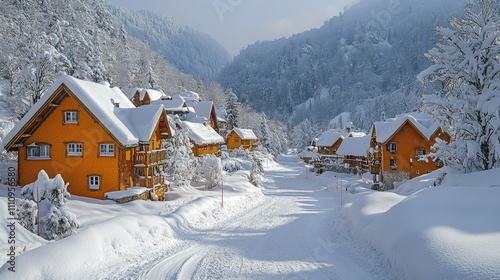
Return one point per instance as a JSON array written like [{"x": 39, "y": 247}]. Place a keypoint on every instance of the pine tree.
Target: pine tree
[
  {"x": 46, "y": 199},
  {"x": 180, "y": 158},
  {"x": 264, "y": 132},
  {"x": 466, "y": 63},
  {"x": 233, "y": 110}
]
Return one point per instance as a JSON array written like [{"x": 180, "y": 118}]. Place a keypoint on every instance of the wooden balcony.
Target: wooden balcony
[
  {"x": 149, "y": 181},
  {"x": 374, "y": 169},
  {"x": 150, "y": 158}
]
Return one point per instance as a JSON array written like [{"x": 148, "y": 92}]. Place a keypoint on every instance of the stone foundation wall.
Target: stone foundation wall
[{"x": 389, "y": 177}]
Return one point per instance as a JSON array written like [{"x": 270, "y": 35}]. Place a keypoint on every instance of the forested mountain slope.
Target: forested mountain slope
[
  {"x": 188, "y": 50},
  {"x": 365, "y": 61},
  {"x": 42, "y": 39}
]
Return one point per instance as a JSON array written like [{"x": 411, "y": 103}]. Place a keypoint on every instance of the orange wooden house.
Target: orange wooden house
[
  {"x": 329, "y": 142},
  {"x": 241, "y": 138},
  {"x": 204, "y": 138},
  {"x": 94, "y": 137},
  {"x": 354, "y": 150},
  {"x": 146, "y": 96},
  {"x": 399, "y": 148},
  {"x": 205, "y": 113}
]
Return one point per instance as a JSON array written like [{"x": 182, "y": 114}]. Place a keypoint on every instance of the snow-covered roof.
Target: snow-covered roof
[
  {"x": 354, "y": 146},
  {"x": 201, "y": 134},
  {"x": 204, "y": 109},
  {"x": 153, "y": 94},
  {"x": 143, "y": 119},
  {"x": 221, "y": 114},
  {"x": 190, "y": 97},
  {"x": 386, "y": 129},
  {"x": 109, "y": 105},
  {"x": 329, "y": 137},
  {"x": 174, "y": 105},
  {"x": 245, "y": 134}
]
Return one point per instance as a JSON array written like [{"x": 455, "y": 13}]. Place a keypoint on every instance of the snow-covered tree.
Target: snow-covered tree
[
  {"x": 257, "y": 171},
  {"x": 466, "y": 64},
  {"x": 233, "y": 110},
  {"x": 46, "y": 199},
  {"x": 180, "y": 158},
  {"x": 210, "y": 168},
  {"x": 265, "y": 135}
]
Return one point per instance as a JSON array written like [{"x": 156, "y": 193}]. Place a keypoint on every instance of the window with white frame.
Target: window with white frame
[
  {"x": 392, "y": 147},
  {"x": 38, "y": 151},
  {"x": 71, "y": 117},
  {"x": 107, "y": 149},
  {"x": 94, "y": 182},
  {"x": 74, "y": 149}
]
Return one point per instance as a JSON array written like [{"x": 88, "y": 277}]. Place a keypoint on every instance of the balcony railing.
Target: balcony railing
[
  {"x": 151, "y": 158},
  {"x": 149, "y": 181}
]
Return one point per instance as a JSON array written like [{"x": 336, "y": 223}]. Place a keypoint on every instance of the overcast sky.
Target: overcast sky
[{"x": 238, "y": 23}]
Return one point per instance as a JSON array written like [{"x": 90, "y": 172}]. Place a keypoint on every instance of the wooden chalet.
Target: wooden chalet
[
  {"x": 241, "y": 138},
  {"x": 204, "y": 112},
  {"x": 93, "y": 136},
  {"x": 174, "y": 107},
  {"x": 328, "y": 144},
  {"x": 399, "y": 148},
  {"x": 354, "y": 150},
  {"x": 146, "y": 96},
  {"x": 204, "y": 138}
]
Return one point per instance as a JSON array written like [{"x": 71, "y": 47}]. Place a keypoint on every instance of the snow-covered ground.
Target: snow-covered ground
[{"x": 298, "y": 225}]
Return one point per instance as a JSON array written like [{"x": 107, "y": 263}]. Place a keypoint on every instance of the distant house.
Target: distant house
[
  {"x": 354, "y": 150},
  {"x": 329, "y": 142},
  {"x": 224, "y": 127},
  {"x": 145, "y": 96},
  {"x": 94, "y": 137},
  {"x": 174, "y": 107},
  {"x": 399, "y": 148},
  {"x": 204, "y": 138},
  {"x": 241, "y": 138},
  {"x": 204, "y": 112}
]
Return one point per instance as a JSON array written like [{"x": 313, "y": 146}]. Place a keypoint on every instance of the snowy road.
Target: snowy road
[{"x": 295, "y": 232}]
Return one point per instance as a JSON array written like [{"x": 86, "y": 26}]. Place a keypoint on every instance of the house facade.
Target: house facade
[
  {"x": 146, "y": 96},
  {"x": 241, "y": 138},
  {"x": 204, "y": 138},
  {"x": 329, "y": 142},
  {"x": 94, "y": 137},
  {"x": 399, "y": 148},
  {"x": 354, "y": 150}
]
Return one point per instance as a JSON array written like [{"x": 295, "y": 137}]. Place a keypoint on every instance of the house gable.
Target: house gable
[
  {"x": 75, "y": 170},
  {"x": 40, "y": 113}
]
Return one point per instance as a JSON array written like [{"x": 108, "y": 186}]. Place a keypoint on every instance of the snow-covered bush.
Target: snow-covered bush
[
  {"x": 257, "y": 171},
  {"x": 240, "y": 152},
  {"x": 45, "y": 199},
  {"x": 231, "y": 165},
  {"x": 210, "y": 169}
]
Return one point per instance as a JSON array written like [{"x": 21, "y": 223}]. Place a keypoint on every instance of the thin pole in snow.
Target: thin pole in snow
[
  {"x": 222, "y": 200},
  {"x": 38, "y": 209},
  {"x": 341, "y": 203}
]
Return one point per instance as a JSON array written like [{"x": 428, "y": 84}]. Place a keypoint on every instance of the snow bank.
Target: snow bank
[
  {"x": 367, "y": 206},
  {"x": 442, "y": 233},
  {"x": 25, "y": 239}
]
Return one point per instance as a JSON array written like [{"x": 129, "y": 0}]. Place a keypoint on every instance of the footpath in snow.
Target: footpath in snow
[{"x": 291, "y": 228}]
